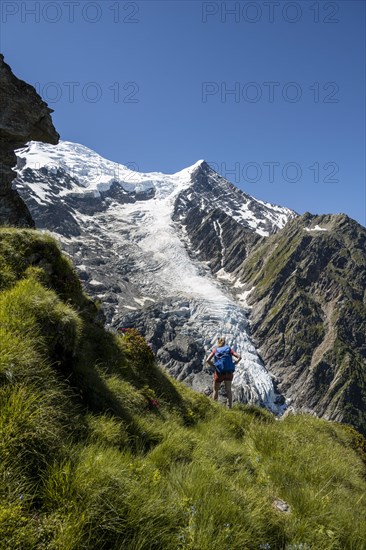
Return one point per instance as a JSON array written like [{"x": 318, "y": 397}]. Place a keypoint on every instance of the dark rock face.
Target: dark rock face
[
  {"x": 24, "y": 116},
  {"x": 226, "y": 248},
  {"x": 160, "y": 324},
  {"x": 309, "y": 313},
  {"x": 55, "y": 217}
]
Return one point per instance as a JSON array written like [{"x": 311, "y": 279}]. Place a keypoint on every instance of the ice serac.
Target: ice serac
[
  {"x": 137, "y": 249},
  {"x": 23, "y": 116}
]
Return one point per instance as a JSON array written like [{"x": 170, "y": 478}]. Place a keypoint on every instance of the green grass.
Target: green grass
[{"x": 87, "y": 461}]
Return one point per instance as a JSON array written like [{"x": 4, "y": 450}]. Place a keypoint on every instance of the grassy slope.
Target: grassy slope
[{"x": 86, "y": 461}]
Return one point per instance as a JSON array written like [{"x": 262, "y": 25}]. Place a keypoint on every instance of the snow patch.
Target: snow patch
[
  {"x": 94, "y": 282},
  {"x": 222, "y": 274},
  {"x": 316, "y": 228},
  {"x": 242, "y": 298},
  {"x": 141, "y": 301}
]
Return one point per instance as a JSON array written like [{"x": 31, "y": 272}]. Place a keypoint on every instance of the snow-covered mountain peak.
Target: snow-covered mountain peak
[
  {"x": 79, "y": 171},
  {"x": 192, "y": 168},
  {"x": 94, "y": 174}
]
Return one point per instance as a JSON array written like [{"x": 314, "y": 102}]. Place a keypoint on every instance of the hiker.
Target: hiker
[{"x": 224, "y": 368}]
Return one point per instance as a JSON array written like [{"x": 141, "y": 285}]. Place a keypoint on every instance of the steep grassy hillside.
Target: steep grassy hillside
[
  {"x": 99, "y": 449},
  {"x": 309, "y": 313}
]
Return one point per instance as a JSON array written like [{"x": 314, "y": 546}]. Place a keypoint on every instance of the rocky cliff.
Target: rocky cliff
[
  {"x": 308, "y": 315},
  {"x": 23, "y": 117}
]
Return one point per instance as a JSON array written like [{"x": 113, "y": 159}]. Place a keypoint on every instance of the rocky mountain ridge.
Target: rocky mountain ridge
[{"x": 222, "y": 222}]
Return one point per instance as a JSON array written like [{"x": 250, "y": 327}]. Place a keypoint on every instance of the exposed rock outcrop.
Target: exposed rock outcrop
[{"x": 24, "y": 116}]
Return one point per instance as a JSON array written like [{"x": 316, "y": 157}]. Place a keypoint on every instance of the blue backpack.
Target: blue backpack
[{"x": 223, "y": 360}]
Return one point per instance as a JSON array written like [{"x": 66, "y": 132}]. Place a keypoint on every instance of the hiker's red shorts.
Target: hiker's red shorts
[{"x": 223, "y": 376}]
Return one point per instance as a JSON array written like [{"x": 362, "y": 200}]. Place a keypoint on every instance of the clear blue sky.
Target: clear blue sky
[{"x": 146, "y": 84}]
